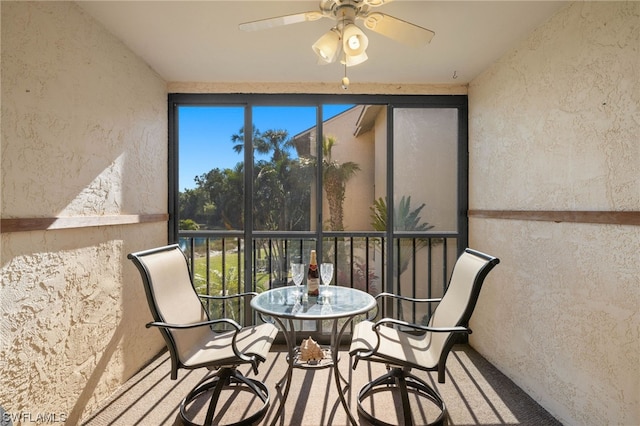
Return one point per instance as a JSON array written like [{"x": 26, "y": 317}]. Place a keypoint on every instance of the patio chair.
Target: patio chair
[
  {"x": 189, "y": 334},
  {"x": 403, "y": 346}
]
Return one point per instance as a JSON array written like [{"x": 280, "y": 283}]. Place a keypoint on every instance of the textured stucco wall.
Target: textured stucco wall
[
  {"x": 83, "y": 134},
  {"x": 555, "y": 125}
]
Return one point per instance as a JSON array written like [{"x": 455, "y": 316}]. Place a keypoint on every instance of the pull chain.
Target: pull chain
[{"x": 345, "y": 79}]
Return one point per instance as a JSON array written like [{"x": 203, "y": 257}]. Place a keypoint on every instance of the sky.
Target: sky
[{"x": 205, "y": 133}]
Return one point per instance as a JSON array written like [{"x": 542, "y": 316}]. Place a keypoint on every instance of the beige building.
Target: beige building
[
  {"x": 553, "y": 127},
  {"x": 425, "y": 173}
]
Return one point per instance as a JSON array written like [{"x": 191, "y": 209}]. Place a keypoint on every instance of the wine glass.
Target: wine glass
[
  {"x": 326, "y": 275},
  {"x": 297, "y": 272}
]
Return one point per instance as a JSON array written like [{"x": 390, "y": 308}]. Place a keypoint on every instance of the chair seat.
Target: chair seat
[
  {"x": 215, "y": 349},
  {"x": 396, "y": 347}
]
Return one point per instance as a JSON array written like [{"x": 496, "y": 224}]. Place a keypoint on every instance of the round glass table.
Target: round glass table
[{"x": 285, "y": 305}]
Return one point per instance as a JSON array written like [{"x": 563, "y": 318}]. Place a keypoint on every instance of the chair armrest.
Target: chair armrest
[
  {"x": 227, "y": 296},
  {"x": 386, "y": 321},
  {"x": 233, "y": 296},
  {"x": 405, "y": 298},
  {"x": 161, "y": 324}
]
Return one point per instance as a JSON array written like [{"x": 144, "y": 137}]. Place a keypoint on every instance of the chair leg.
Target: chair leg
[
  {"x": 225, "y": 378},
  {"x": 404, "y": 382}
]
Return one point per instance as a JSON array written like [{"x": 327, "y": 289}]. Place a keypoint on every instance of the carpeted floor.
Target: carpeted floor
[{"x": 475, "y": 394}]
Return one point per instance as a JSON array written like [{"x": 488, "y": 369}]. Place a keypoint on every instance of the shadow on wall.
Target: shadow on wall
[
  {"x": 74, "y": 318},
  {"x": 81, "y": 403},
  {"x": 130, "y": 347}
]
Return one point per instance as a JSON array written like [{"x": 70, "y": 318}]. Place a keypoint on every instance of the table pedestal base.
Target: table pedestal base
[{"x": 293, "y": 358}]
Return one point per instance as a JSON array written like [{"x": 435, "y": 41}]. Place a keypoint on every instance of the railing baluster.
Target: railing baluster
[
  {"x": 366, "y": 256},
  {"x": 208, "y": 272},
  {"x": 445, "y": 253},
  {"x": 351, "y": 256},
  {"x": 413, "y": 271},
  {"x": 429, "y": 276},
  {"x": 398, "y": 280},
  {"x": 287, "y": 259},
  {"x": 254, "y": 262}
]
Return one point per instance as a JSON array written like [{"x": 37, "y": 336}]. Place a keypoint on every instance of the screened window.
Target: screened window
[{"x": 257, "y": 181}]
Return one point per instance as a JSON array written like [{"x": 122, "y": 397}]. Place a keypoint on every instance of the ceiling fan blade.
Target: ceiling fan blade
[
  {"x": 397, "y": 29},
  {"x": 278, "y": 21}
]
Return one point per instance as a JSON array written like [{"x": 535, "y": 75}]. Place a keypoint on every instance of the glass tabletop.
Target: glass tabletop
[{"x": 337, "y": 303}]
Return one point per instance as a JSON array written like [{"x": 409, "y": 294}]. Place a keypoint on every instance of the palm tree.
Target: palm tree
[
  {"x": 334, "y": 178},
  {"x": 269, "y": 141},
  {"x": 281, "y": 191}
]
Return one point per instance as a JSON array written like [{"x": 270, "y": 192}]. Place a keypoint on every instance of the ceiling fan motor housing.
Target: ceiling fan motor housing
[{"x": 340, "y": 9}]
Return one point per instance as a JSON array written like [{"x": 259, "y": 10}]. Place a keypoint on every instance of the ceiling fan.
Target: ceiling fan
[{"x": 345, "y": 40}]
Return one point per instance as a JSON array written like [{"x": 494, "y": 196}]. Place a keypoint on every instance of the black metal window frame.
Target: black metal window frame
[{"x": 248, "y": 101}]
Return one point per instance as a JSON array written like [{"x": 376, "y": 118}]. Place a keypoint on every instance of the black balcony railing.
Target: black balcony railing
[{"x": 421, "y": 265}]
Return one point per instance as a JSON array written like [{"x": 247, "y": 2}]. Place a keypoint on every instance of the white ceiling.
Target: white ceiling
[{"x": 199, "y": 41}]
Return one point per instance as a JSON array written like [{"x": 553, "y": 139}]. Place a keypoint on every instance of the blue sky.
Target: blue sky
[{"x": 205, "y": 133}]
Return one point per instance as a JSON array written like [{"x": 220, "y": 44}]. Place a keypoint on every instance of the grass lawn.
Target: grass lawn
[{"x": 215, "y": 265}]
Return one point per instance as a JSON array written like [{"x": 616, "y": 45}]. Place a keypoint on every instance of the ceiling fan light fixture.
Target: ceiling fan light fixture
[
  {"x": 327, "y": 46},
  {"x": 351, "y": 60},
  {"x": 355, "y": 42}
]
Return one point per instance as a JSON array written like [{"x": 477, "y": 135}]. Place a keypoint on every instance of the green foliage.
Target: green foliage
[
  {"x": 404, "y": 219},
  {"x": 281, "y": 194},
  {"x": 281, "y": 189},
  {"x": 217, "y": 200},
  {"x": 189, "y": 225},
  {"x": 233, "y": 277},
  {"x": 334, "y": 178},
  {"x": 379, "y": 214}
]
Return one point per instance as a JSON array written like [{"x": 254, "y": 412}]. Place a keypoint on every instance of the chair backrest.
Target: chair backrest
[
  {"x": 459, "y": 301},
  {"x": 172, "y": 298}
]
